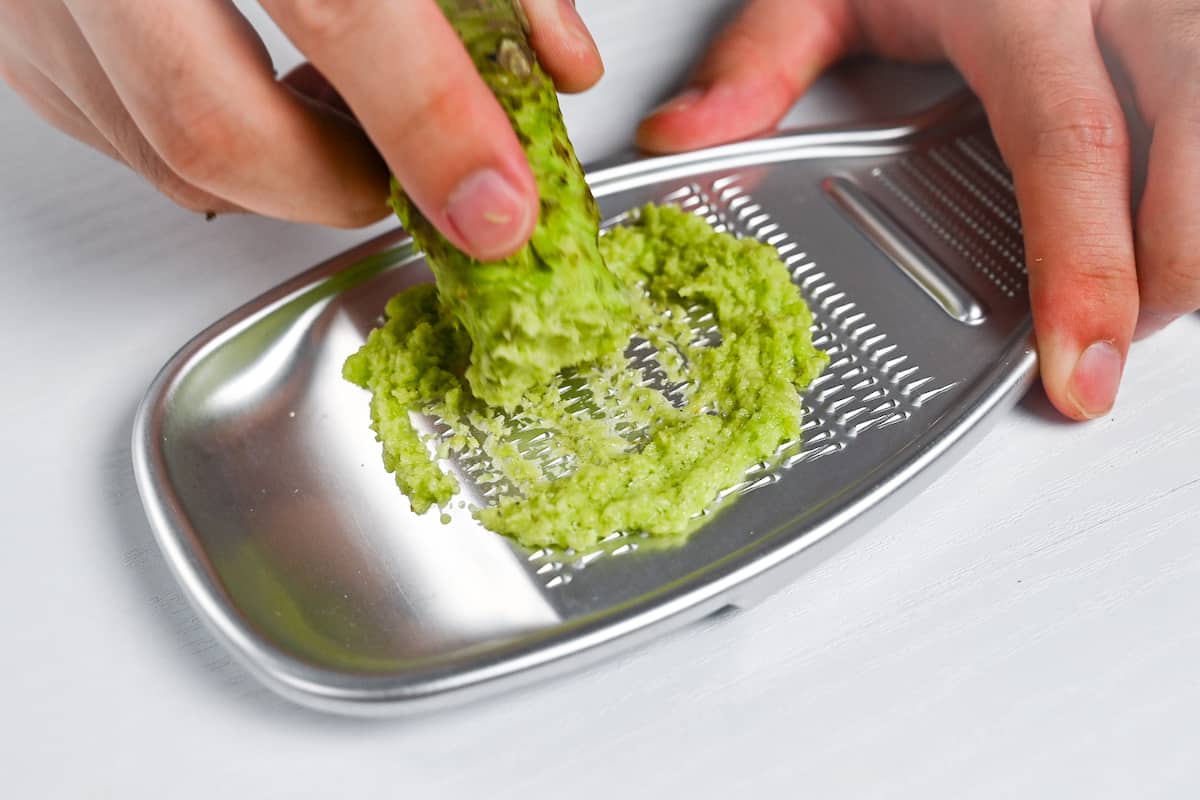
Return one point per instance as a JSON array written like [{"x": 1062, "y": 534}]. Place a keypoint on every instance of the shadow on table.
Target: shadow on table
[
  {"x": 1036, "y": 405},
  {"x": 170, "y": 613}
]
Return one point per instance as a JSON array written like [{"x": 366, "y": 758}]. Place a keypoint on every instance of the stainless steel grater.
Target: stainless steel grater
[{"x": 264, "y": 486}]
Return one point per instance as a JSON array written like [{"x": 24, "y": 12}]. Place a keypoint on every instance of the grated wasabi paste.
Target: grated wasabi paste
[{"x": 615, "y": 452}]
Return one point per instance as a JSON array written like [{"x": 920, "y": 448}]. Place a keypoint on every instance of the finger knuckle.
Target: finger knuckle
[
  {"x": 431, "y": 119},
  {"x": 319, "y": 19},
  {"x": 1081, "y": 130},
  {"x": 173, "y": 187},
  {"x": 198, "y": 145},
  {"x": 1172, "y": 284},
  {"x": 1180, "y": 109},
  {"x": 1103, "y": 272},
  {"x": 1101, "y": 284},
  {"x": 1096, "y": 275},
  {"x": 899, "y": 33},
  {"x": 744, "y": 49},
  {"x": 1180, "y": 21}
]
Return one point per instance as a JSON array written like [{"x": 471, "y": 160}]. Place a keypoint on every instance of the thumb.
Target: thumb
[{"x": 753, "y": 73}]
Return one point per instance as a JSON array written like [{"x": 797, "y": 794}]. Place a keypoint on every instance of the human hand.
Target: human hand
[
  {"x": 1098, "y": 276},
  {"x": 185, "y": 94}
]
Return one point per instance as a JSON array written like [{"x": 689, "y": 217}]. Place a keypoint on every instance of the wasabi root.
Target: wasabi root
[{"x": 555, "y": 303}]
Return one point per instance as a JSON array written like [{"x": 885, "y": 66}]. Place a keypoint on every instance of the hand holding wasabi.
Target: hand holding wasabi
[{"x": 186, "y": 95}]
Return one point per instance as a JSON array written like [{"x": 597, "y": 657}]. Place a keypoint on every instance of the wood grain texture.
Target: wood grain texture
[{"x": 1026, "y": 627}]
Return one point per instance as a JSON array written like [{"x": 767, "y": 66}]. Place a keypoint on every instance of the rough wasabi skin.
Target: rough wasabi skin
[
  {"x": 555, "y": 303},
  {"x": 610, "y": 453}
]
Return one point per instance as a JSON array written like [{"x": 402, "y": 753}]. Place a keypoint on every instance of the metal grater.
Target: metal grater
[{"x": 264, "y": 486}]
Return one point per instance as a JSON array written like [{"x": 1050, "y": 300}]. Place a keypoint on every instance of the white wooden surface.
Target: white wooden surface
[{"x": 1028, "y": 627}]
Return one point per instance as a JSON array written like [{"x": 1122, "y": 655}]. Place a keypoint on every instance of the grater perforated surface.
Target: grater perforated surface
[
  {"x": 960, "y": 196},
  {"x": 868, "y": 384}
]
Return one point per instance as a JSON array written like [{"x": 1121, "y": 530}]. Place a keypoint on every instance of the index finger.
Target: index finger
[
  {"x": 1039, "y": 71},
  {"x": 403, "y": 70}
]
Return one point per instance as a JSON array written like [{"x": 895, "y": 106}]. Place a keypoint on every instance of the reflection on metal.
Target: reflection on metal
[{"x": 939, "y": 284}]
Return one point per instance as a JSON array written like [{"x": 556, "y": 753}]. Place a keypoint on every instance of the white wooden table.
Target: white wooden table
[{"x": 1029, "y": 626}]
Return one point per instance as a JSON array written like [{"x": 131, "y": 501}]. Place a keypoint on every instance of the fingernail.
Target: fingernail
[
  {"x": 574, "y": 25},
  {"x": 1097, "y": 375},
  {"x": 1151, "y": 322},
  {"x": 489, "y": 213},
  {"x": 680, "y": 102}
]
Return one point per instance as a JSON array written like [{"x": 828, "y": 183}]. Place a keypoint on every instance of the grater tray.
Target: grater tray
[{"x": 265, "y": 489}]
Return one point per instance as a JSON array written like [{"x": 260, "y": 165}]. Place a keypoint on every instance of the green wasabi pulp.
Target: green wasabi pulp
[{"x": 641, "y": 441}]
